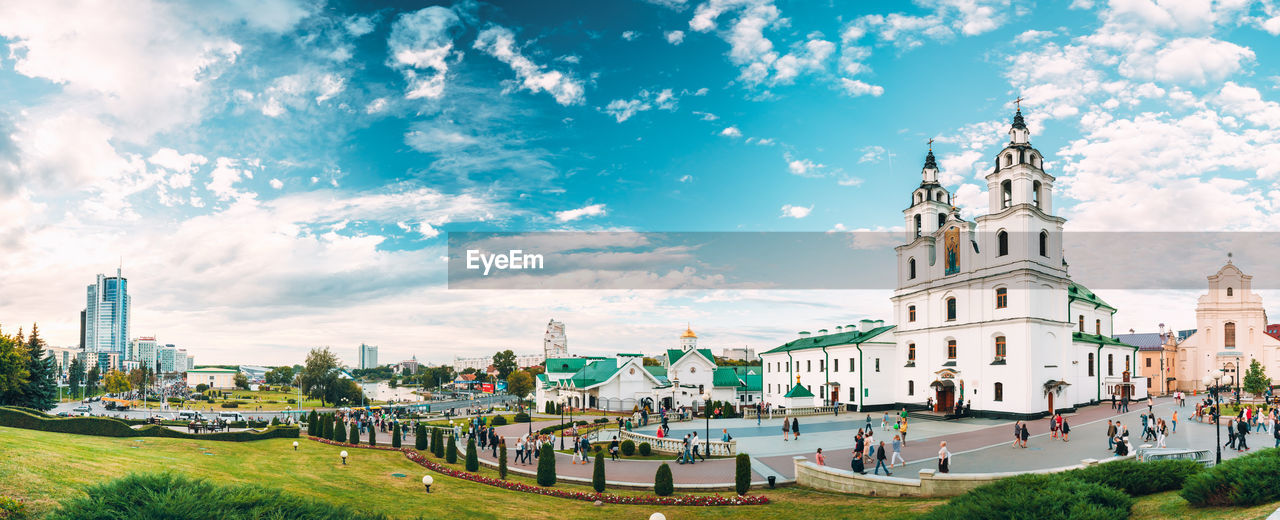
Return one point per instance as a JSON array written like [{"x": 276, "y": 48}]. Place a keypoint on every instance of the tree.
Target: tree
[
  {"x": 312, "y": 419},
  {"x": 505, "y": 363},
  {"x": 320, "y": 375},
  {"x": 41, "y": 390},
  {"x": 535, "y": 370},
  {"x": 650, "y": 362},
  {"x": 75, "y": 375},
  {"x": 597, "y": 474},
  {"x": 520, "y": 384},
  {"x": 346, "y": 391},
  {"x": 420, "y": 437},
  {"x": 279, "y": 376},
  {"x": 340, "y": 432},
  {"x": 547, "y": 466},
  {"x": 502, "y": 461},
  {"x": 473, "y": 460},
  {"x": 13, "y": 370},
  {"x": 116, "y": 382},
  {"x": 242, "y": 381},
  {"x": 394, "y": 382},
  {"x": 1256, "y": 381},
  {"x": 742, "y": 477},
  {"x": 663, "y": 485},
  {"x": 395, "y": 435},
  {"x": 373, "y": 436},
  {"x": 91, "y": 380},
  {"x": 451, "y": 451},
  {"x": 202, "y": 388}
]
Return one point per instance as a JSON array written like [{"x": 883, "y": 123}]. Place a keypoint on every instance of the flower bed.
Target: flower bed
[{"x": 686, "y": 500}]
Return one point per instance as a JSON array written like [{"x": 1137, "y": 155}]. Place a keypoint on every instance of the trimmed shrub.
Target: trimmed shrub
[
  {"x": 1043, "y": 497},
  {"x": 230, "y": 404},
  {"x": 597, "y": 474},
  {"x": 168, "y": 495},
  {"x": 275, "y": 421},
  {"x": 373, "y": 436},
  {"x": 628, "y": 447},
  {"x": 742, "y": 475},
  {"x": 1250, "y": 480},
  {"x": 15, "y": 417},
  {"x": 502, "y": 461},
  {"x": 645, "y": 449},
  {"x": 311, "y": 419},
  {"x": 419, "y": 437},
  {"x": 437, "y": 442},
  {"x": 473, "y": 461},
  {"x": 202, "y": 388},
  {"x": 451, "y": 451},
  {"x": 11, "y": 509},
  {"x": 601, "y": 420},
  {"x": 354, "y": 435},
  {"x": 1139, "y": 478},
  {"x": 395, "y": 435},
  {"x": 522, "y": 417},
  {"x": 328, "y": 428},
  {"x": 547, "y": 466},
  {"x": 549, "y": 409},
  {"x": 340, "y": 432},
  {"x": 498, "y": 420},
  {"x": 663, "y": 484}
]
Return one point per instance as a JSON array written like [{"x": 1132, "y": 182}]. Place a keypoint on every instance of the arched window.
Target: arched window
[
  {"x": 911, "y": 388},
  {"x": 1006, "y": 194},
  {"x": 942, "y": 220},
  {"x": 1008, "y": 159},
  {"x": 917, "y": 226},
  {"x": 1035, "y": 193},
  {"x": 1002, "y": 298},
  {"x": 1229, "y": 335},
  {"x": 911, "y": 352},
  {"x": 1044, "y": 243},
  {"x": 1002, "y": 243},
  {"x": 911, "y": 268},
  {"x": 1000, "y": 348},
  {"x": 1091, "y": 364},
  {"x": 1111, "y": 369},
  {"x": 911, "y": 313},
  {"x": 951, "y": 349},
  {"x": 1228, "y": 291},
  {"x": 951, "y": 309},
  {"x": 1081, "y": 322},
  {"x": 919, "y": 198},
  {"x": 1097, "y": 327},
  {"x": 999, "y": 392}
]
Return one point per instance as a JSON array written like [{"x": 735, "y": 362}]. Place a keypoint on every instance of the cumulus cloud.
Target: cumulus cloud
[
  {"x": 420, "y": 45},
  {"x": 630, "y": 35},
  {"x": 731, "y": 131},
  {"x": 797, "y": 212},
  {"x": 277, "y": 183},
  {"x": 675, "y": 37},
  {"x": 570, "y": 215},
  {"x": 623, "y": 109},
  {"x": 802, "y": 167},
  {"x": 872, "y": 154},
  {"x": 855, "y": 87},
  {"x": 499, "y": 42},
  {"x": 1195, "y": 61}
]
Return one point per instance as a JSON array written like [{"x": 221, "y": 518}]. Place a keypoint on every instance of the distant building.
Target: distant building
[
  {"x": 223, "y": 378},
  {"x": 739, "y": 354},
  {"x": 406, "y": 367},
  {"x": 368, "y": 356},
  {"x": 62, "y": 356},
  {"x": 483, "y": 362},
  {"x": 106, "y": 320},
  {"x": 142, "y": 350},
  {"x": 1273, "y": 330},
  {"x": 255, "y": 374},
  {"x": 173, "y": 360},
  {"x": 1157, "y": 356},
  {"x": 1231, "y": 325},
  {"x": 554, "y": 343}
]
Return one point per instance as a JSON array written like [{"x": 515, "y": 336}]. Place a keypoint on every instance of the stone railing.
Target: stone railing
[
  {"x": 929, "y": 484},
  {"x": 778, "y": 413},
  {"x": 675, "y": 445}
]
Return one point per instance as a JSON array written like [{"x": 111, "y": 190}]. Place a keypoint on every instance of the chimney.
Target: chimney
[
  {"x": 839, "y": 329},
  {"x": 822, "y": 332},
  {"x": 865, "y": 325},
  {"x": 804, "y": 334},
  {"x": 879, "y": 323}
]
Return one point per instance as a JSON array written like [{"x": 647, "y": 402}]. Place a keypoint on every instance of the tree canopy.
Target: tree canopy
[
  {"x": 319, "y": 377},
  {"x": 520, "y": 384},
  {"x": 1256, "y": 381},
  {"x": 505, "y": 363}
]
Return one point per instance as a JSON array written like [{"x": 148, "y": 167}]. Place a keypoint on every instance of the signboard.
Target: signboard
[
  {"x": 502, "y": 386},
  {"x": 487, "y": 388}
]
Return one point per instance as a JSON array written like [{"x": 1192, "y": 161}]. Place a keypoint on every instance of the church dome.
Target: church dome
[{"x": 688, "y": 333}]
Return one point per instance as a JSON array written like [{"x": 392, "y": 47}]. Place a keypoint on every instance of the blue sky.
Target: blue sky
[{"x": 279, "y": 175}]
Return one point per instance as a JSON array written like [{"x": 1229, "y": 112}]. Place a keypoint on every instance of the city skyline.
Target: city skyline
[{"x": 284, "y": 176}]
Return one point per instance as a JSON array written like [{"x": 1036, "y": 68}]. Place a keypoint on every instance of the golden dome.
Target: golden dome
[{"x": 688, "y": 333}]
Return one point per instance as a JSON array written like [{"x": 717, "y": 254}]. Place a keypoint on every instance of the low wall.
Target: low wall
[
  {"x": 779, "y": 413},
  {"x": 929, "y": 484},
  {"x": 676, "y": 444}
]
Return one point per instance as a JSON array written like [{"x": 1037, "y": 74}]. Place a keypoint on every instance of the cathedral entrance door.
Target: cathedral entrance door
[
  {"x": 1050, "y": 403},
  {"x": 945, "y": 399}
]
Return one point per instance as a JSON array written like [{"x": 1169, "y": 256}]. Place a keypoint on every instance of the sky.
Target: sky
[{"x": 278, "y": 175}]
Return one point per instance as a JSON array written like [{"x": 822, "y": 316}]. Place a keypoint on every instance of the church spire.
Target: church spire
[
  {"x": 1018, "y": 132},
  {"x": 1017, "y": 120}
]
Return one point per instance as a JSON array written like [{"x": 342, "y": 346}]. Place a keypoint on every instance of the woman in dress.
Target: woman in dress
[
  {"x": 786, "y": 429},
  {"x": 795, "y": 427}
]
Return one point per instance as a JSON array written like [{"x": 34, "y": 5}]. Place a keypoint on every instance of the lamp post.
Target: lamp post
[
  {"x": 561, "y": 400},
  {"x": 344, "y": 457},
  {"x": 675, "y": 384},
  {"x": 295, "y": 445},
  {"x": 1211, "y": 384},
  {"x": 706, "y": 412},
  {"x": 427, "y": 481}
]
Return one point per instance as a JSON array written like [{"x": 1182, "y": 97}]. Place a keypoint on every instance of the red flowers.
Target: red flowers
[{"x": 686, "y": 500}]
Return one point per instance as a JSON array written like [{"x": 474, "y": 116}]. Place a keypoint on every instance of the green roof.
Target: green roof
[
  {"x": 799, "y": 391},
  {"x": 831, "y": 340},
  {"x": 725, "y": 377},
  {"x": 571, "y": 365},
  {"x": 598, "y": 371},
  {"x": 222, "y": 370},
  {"x": 1098, "y": 339},
  {"x": 1079, "y": 292},
  {"x": 751, "y": 376},
  {"x": 674, "y": 354},
  {"x": 657, "y": 371}
]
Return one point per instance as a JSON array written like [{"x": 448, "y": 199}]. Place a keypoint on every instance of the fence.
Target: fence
[
  {"x": 929, "y": 484},
  {"x": 776, "y": 413},
  {"x": 675, "y": 445}
]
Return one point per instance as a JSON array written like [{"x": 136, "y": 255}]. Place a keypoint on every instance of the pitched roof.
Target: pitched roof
[
  {"x": 799, "y": 391},
  {"x": 1076, "y": 291},
  {"x": 674, "y": 355},
  {"x": 571, "y": 365},
  {"x": 1098, "y": 339},
  {"x": 726, "y": 377},
  {"x": 751, "y": 376},
  {"x": 596, "y": 372},
  {"x": 1143, "y": 340},
  {"x": 831, "y": 340},
  {"x": 657, "y": 371}
]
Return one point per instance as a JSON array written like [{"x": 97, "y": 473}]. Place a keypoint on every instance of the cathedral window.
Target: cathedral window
[
  {"x": 917, "y": 226},
  {"x": 1000, "y": 348},
  {"x": 919, "y": 198},
  {"x": 1035, "y": 193},
  {"x": 1111, "y": 369},
  {"x": 951, "y": 309},
  {"x": 911, "y": 388},
  {"x": 951, "y": 349},
  {"x": 911, "y": 270},
  {"x": 1002, "y": 298},
  {"x": 1002, "y": 243},
  {"x": 999, "y": 392},
  {"x": 911, "y": 352},
  {"x": 1044, "y": 243},
  {"x": 942, "y": 220},
  {"x": 1228, "y": 291},
  {"x": 911, "y": 313},
  {"x": 1081, "y": 322},
  {"x": 1006, "y": 194},
  {"x": 1229, "y": 335},
  {"x": 1091, "y": 364},
  {"x": 1008, "y": 159}
]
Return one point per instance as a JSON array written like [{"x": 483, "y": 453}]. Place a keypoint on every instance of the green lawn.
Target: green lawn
[{"x": 44, "y": 468}]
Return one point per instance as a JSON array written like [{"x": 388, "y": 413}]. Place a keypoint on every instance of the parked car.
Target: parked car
[
  {"x": 190, "y": 415},
  {"x": 230, "y": 416},
  {"x": 84, "y": 408}
]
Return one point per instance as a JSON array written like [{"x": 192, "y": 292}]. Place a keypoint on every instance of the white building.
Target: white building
[
  {"x": 223, "y": 378},
  {"x": 745, "y": 354},
  {"x": 851, "y": 366},
  {"x": 368, "y": 356},
  {"x": 554, "y": 342},
  {"x": 482, "y": 363},
  {"x": 1230, "y": 333}
]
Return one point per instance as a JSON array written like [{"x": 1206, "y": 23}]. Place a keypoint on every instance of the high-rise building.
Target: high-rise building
[
  {"x": 368, "y": 356},
  {"x": 107, "y": 304},
  {"x": 554, "y": 343},
  {"x": 143, "y": 350}
]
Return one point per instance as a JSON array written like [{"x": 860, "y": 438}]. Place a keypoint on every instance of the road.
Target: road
[{"x": 97, "y": 409}]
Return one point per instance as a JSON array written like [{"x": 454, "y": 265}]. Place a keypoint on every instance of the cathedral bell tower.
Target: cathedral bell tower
[
  {"x": 1019, "y": 177},
  {"x": 930, "y": 202}
]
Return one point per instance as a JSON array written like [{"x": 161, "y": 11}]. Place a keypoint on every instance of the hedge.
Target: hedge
[
  {"x": 1139, "y": 478},
  {"x": 522, "y": 417},
  {"x": 1043, "y": 497},
  {"x": 645, "y": 449},
  {"x": 558, "y": 427},
  {"x": 663, "y": 483},
  {"x": 498, "y": 420},
  {"x": 628, "y": 447},
  {"x": 1246, "y": 481},
  {"x": 15, "y": 417}
]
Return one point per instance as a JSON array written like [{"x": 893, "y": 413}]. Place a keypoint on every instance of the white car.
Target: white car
[{"x": 84, "y": 408}]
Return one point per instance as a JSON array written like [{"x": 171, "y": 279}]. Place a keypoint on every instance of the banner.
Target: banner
[{"x": 487, "y": 388}]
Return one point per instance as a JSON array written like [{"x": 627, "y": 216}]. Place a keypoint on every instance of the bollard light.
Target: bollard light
[
  {"x": 344, "y": 457},
  {"x": 295, "y": 445},
  {"x": 657, "y": 516},
  {"x": 426, "y": 481}
]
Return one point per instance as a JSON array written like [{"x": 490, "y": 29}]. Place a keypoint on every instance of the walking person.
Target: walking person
[
  {"x": 944, "y": 458},
  {"x": 1017, "y": 433},
  {"x": 1175, "y": 422},
  {"x": 795, "y": 427},
  {"x": 880, "y": 458},
  {"x": 695, "y": 443},
  {"x": 1111, "y": 435},
  {"x": 759, "y": 412},
  {"x": 613, "y": 448},
  {"x": 586, "y": 450},
  {"x": 1241, "y": 445},
  {"x": 858, "y": 447},
  {"x": 1053, "y": 427},
  {"x": 820, "y": 458},
  {"x": 884, "y": 422},
  {"x": 1025, "y": 435},
  {"x": 897, "y": 452},
  {"x": 1231, "y": 434},
  {"x": 1066, "y": 428},
  {"x": 902, "y": 429},
  {"x": 786, "y": 428}
]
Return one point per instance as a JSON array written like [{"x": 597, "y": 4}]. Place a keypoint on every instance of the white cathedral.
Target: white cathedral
[{"x": 986, "y": 313}]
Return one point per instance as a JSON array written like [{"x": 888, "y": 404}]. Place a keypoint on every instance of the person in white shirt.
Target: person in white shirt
[{"x": 944, "y": 458}]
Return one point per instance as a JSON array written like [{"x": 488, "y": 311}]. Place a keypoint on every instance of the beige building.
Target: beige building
[
  {"x": 222, "y": 378},
  {"x": 1230, "y": 333}
]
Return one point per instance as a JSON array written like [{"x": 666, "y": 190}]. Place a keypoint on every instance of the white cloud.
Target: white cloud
[
  {"x": 802, "y": 167},
  {"x": 570, "y": 215},
  {"x": 811, "y": 57},
  {"x": 630, "y": 35},
  {"x": 790, "y": 211},
  {"x": 675, "y": 37},
  {"x": 277, "y": 184},
  {"x": 872, "y": 154},
  {"x": 499, "y": 42},
  {"x": 299, "y": 91},
  {"x": 376, "y": 106},
  {"x": 420, "y": 45},
  {"x": 1247, "y": 103},
  {"x": 706, "y": 116},
  {"x": 623, "y": 109},
  {"x": 760, "y": 142},
  {"x": 360, "y": 25},
  {"x": 1032, "y": 35},
  {"x": 170, "y": 159},
  {"x": 731, "y": 131},
  {"x": 855, "y": 87},
  {"x": 686, "y": 178},
  {"x": 850, "y": 181},
  {"x": 226, "y": 173},
  {"x": 1195, "y": 61}
]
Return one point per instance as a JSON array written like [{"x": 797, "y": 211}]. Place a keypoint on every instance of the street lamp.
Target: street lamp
[
  {"x": 344, "y": 457},
  {"x": 295, "y": 445},
  {"x": 706, "y": 411},
  {"x": 426, "y": 481},
  {"x": 561, "y": 400},
  {"x": 1211, "y": 385},
  {"x": 675, "y": 384}
]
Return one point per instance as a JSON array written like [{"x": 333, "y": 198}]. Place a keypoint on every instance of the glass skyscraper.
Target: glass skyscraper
[{"x": 106, "y": 329}]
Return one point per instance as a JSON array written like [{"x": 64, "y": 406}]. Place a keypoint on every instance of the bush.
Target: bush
[
  {"x": 502, "y": 461},
  {"x": 547, "y": 466},
  {"x": 628, "y": 447},
  {"x": 328, "y": 427},
  {"x": 498, "y": 420},
  {"x": 395, "y": 435},
  {"x": 420, "y": 437},
  {"x": 549, "y": 409},
  {"x": 11, "y": 509},
  {"x": 1139, "y": 478},
  {"x": 437, "y": 442},
  {"x": 174, "y": 400},
  {"x": 1043, "y": 497},
  {"x": 663, "y": 485},
  {"x": 1250, "y": 480},
  {"x": 24, "y": 418},
  {"x": 311, "y": 419},
  {"x": 742, "y": 477},
  {"x": 601, "y": 420},
  {"x": 373, "y": 436},
  {"x": 451, "y": 451},
  {"x": 167, "y": 495},
  {"x": 340, "y": 432},
  {"x": 522, "y": 417},
  {"x": 473, "y": 461},
  {"x": 645, "y": 449},
  {"x": 354, "y": 434},
  {"x": 291, "y": 401},
  {"x": 230, "y": 404},
  {"x": 597, "y": 474},
  {"x": 275, "y": 421},
  {"x": 202, "y": 388}
]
